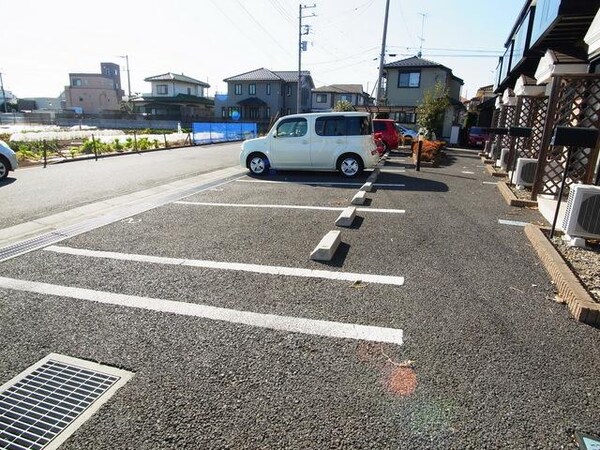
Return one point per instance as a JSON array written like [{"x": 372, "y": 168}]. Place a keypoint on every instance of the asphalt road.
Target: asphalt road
[
  {"x": 33, "y": 192},
  {"x": 488, "y": 359}
]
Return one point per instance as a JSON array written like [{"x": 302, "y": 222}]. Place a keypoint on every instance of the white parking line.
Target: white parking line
[
  {"x": 512, "y": 222},
  {"x": 321, "y": 183},
  {"x": 495, "y": 183},
  {"x": 316, "y": 208},
  {"x": 270, "y": 321},
  {"x": 468, "y": 172},
  {"x": 240, "y": 267}
]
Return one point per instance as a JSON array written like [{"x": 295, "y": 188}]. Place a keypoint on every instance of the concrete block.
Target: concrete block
[
  {"x": 325, "y": 250},
  {"x": 359, "y": 198},
  {"x": 367, "y": 187},
  {"x": 346, "y": 217}
]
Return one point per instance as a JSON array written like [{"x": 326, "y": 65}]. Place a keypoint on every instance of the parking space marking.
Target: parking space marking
[
  {"x": 316, "y": 208},
  {"x": 321, "y": 183},
  {"x": 468, "y": 172},
  {"x": 271, "y": 321},
  {"x": 490, "y": 182},
  {"x": 239, "y": 267},
  {"x": 512, "y": 222}
]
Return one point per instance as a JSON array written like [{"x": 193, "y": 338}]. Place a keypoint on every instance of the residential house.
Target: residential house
[
  {"x": 95, "y": 93},
  {"x": 175, "y": 97},
  {"x": 407, "y": 81},
  {"x": 326, "y": 97},
  {"x": 261, "y": 95}
]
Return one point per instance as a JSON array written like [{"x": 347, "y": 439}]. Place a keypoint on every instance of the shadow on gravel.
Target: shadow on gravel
[
  {"x": 7, "y": 181},
  {"x": 410, "y": 183},
  {"x": 340, "y": 256}
]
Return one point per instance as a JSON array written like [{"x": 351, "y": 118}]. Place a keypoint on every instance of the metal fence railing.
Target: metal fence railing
[{"x": 208, "y": 133}]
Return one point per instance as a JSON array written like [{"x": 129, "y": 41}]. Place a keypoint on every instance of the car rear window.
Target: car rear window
[
  {"x": 378, "y": 126},
  {"x": 478, "y": 130}
]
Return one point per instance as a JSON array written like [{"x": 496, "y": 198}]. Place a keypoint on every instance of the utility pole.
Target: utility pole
[
  {"x": 302, "y": 46},
  {"x": 128, "y": 77},
  {"x": 380, "y": 92},
  {"x": 423, "y": 15},
  {"x": 3, "y": 94}
]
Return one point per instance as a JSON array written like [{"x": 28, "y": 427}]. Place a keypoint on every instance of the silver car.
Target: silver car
[{"x": 8, "y": 160}]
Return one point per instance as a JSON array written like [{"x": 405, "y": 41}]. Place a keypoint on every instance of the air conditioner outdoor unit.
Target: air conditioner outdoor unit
[
  {"x": 582, "y": 216},
  {"x": 503, "y": 161},
  {"x": 525, "y": 172}
]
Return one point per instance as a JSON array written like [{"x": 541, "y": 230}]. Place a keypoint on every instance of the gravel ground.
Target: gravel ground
[{"x": 585, "y": 262}]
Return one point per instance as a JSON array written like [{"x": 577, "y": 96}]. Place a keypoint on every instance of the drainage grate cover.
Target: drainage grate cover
[{"x": 41, "y": 407}]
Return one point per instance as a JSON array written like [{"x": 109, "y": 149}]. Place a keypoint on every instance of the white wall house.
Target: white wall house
[{"x": 172, "y": 84}]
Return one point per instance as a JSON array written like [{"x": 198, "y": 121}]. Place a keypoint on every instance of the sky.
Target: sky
[{"x": 42, "y": 41}]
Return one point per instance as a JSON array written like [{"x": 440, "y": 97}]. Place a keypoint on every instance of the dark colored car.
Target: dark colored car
[
  {"x": 389, "y": 133},
  {"x": 477, "y": 136}
]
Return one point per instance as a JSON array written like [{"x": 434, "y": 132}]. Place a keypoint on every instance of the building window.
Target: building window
[
  {"x": 162, "y": 89},
  {"x": 253, "y": 113},
  {"x": 409, "y": 79},
  {"x": 224, "y": 112},
  {"x": 189, "y": 91},
  {"x": 288, "y": 111},
  {"x": 346, "y": 98},
  {"x": 80, "y": 99},
  {"x": 77, "y": 82},
  {"x": 252, "y": 89},
  {"x": 267, "y": 112},
  {"x": 238, "y": 89},
  {"x": 407, "y": 116},
  {"x": 268, "y": 88},
  {"x": 289, "y": 90},
  {"x": 321, "y": 98},
  {"x": 234, "y": 112}
]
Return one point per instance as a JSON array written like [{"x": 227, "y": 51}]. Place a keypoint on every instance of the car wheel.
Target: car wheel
[
  {"x": 350, "y": 165},
  {"x": 258, "y": 164},
  {"x": 3, "y": 168}
]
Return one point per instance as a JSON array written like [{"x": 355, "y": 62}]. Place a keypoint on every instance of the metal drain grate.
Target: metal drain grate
[{"x": 44, "y": 405}]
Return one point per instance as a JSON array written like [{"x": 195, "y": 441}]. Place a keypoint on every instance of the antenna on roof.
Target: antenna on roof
[{"x": 423, "y": 15}]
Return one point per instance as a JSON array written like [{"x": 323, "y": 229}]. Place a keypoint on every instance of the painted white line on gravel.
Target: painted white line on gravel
[
  {"x": 512, "y": 222},
  {"x": 270, "y": 321},
  {"x": 316, "y": 208},
  {"x": 240, "y": 267},
  {"x": 490, "y": 182},
  {"x": 321, "y": 183},
  {"x": 468, "y": 172}
]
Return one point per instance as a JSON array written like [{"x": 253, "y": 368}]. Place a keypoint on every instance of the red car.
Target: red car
[
  {"x": 478, "y": 136},
  {"x": 389, "y": 133}
]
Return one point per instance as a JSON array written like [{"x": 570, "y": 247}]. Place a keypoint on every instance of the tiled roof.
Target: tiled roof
[
  {"x": 341, "y": 89},
  {"x": 176, "y": 77},
  {"x": 415, "y": 61},
  {"x": 263, "y": 74},
  {"x": 290, "y": 76}
]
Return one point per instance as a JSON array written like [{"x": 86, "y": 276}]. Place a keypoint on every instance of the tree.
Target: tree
[
  {"x": 343, "y": 105},
  {"x": 431, "y": 110}
]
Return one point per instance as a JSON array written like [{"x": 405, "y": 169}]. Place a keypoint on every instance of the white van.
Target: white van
[{"x": 340, "y": 141}]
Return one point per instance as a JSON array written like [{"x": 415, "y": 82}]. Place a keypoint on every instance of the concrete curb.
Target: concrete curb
[
  {"x": 493, "y": 172},
  {"x": 346, "y": 218},
  {"x": 326, "y": 248},
  {"x": 511, "y": 199},
  {"x": 581, "y": 304},
  {"x": 359, "y": 198}
]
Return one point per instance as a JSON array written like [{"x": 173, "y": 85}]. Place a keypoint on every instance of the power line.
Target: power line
[{"x": 261, "y": 26}]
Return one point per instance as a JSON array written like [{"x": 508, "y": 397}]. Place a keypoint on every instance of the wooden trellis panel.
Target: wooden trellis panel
[
  {"x": 574, "y": 102},
  {"x": 531, "y": 113},
  {"x": 491, "y": 140},
  {"x": 506, "y": 117}
]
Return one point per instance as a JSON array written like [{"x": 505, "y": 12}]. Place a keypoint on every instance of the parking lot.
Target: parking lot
[{"x": 434, "y": 326}]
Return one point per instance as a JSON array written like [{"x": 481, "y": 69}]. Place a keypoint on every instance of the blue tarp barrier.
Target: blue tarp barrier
[{"x": 208, "y": 133}]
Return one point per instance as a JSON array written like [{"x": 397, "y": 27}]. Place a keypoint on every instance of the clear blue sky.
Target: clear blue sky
[{"x": 43, "y": 41}]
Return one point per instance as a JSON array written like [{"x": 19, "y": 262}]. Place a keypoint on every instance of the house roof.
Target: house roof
[
  {"x": 414, "y": 62},
  {"x": 252, "y": 101},
  {"x": 263, "y": 74},
  {"x": 341, "y": 89},
  {"x": 179, "y": 98},
  {"x": 176, "y": 77}
]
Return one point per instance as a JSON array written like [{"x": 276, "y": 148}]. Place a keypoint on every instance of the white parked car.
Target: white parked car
[
  {"x": 341, "y": 141},
  {"x": 8, "y": 160}
]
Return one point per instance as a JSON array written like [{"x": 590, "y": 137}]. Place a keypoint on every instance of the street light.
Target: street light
[{"x": 128, "y": 77}]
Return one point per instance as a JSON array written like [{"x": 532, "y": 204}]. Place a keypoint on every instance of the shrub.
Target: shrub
[{"x": 431, "y": 151}]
